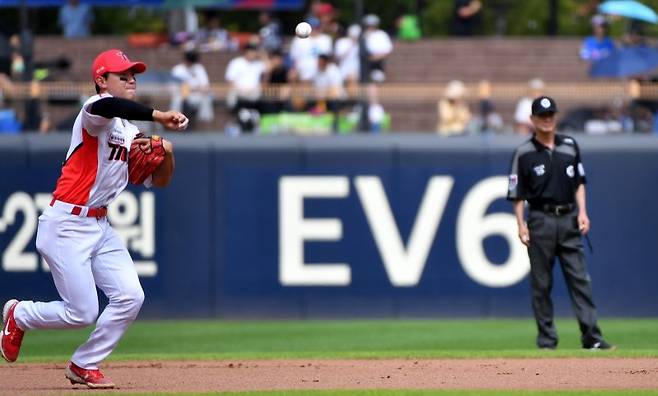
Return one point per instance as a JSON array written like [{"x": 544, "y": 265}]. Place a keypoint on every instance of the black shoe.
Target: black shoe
[{"x": 600, "y": 345}]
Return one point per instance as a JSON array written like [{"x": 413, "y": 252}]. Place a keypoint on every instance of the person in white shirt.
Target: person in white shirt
[
  {"x": 328, "y": 82},
  {"x": 304, "y": 52},
  {"x": 192, "y": 95},
  {"x": 378, "y": 45},
  {"x": 347, "y": 55},
  {"x": 245, "y": 74},
  {"x": 522, "y": 122},
  {"x": 74, "y": 237}
]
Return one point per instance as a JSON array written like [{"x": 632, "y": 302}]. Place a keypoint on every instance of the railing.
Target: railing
[{"x": 589, "y": 92}]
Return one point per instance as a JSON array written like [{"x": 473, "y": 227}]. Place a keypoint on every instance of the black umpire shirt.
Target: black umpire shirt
[{"x": 543, "y": 176}]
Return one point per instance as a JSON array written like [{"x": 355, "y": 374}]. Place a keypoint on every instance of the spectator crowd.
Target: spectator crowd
[{"x": 336, "y": 74}]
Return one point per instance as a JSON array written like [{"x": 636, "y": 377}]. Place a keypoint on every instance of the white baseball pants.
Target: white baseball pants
[{"x": 84, "y": 252}]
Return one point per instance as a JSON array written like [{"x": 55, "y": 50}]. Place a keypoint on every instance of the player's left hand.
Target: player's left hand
[
  {"x": 583, "y": 223},
  {"x": 173, "y": 120}
]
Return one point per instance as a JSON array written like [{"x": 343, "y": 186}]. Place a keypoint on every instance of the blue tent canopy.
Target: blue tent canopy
[{"x": 224, "y": 4}]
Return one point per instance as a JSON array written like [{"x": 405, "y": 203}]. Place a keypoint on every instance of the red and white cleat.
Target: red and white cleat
[
  {"x": 92, "y": 378},
  {"x": 12, "y": 336}
]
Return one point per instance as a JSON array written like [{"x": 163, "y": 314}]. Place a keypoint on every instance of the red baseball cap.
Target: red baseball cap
[
  {"x": 114, "y": 61},
  {"x": 325, "y": 8}
]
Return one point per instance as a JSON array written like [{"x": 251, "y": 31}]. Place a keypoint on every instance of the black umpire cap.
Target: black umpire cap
[{"x": 543, "y": 104}]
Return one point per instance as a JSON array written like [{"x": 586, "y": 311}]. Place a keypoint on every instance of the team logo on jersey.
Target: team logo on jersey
[
  {"x": 571, "y": 171},
  {"x": 568, "y": 141},
  {"x": 539, "y": 169},
  {"x": 115, "y": 141},
  {"x": 513, "y": 182},
  {"x": 116, "y": 138}
]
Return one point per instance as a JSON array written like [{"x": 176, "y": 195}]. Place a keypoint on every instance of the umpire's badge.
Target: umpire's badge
[
  {"x": 570, "y": 171},
  {"x": 539, "y": 169},
  {"x": 513, "y": 181}
]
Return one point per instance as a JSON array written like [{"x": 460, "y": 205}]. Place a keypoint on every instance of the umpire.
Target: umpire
[{"x": 547, "y": 172}]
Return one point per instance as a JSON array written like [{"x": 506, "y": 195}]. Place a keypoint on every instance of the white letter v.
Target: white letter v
[{"x": 404, "y": 266}]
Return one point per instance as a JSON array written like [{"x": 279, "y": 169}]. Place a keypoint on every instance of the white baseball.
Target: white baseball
[{"x": 303, "y": 30}]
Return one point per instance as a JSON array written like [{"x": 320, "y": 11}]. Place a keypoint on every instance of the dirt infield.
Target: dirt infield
[{"x": 241, "y": 375}]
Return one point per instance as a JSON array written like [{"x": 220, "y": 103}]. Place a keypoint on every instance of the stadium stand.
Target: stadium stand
[{"x": 417, "y": 73}]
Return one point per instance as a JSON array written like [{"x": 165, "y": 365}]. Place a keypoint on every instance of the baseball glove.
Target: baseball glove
[{"x": 144, "y": 158}]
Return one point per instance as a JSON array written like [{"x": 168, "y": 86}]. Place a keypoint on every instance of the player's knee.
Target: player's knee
[
  {"x": 82, "y": 315},
  {"x": 138, "y": 298},
  {"x": 133, "y": 301}
]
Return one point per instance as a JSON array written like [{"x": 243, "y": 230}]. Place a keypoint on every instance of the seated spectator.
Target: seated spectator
[
  {"x": 634, "y": 36},
  {"x": 328, "y": 88},
  {"x": 212, "y": 37},
  {"x": 304, "y": 52},
  {"x": 16, "y": 60},
  {"x": 378, "y": 45},
  {"x": 194, "y": 97},
  {"x": 277, "y": 72},
  {"x": 276, "y": 75},
  {"x": 523, "y": 125},
  {"x": 270, "y": 32},
  {"x": 347, "y": 55},
  {"x": 17, "y": 66},
  {"x": 244, "y": 73},
  {"x": 488, "y": 120},
  {"x": 328, "y": 82},
  {"x": 75, "y": 19},
  {"x": 599, "y": 45},
  {"x": 454, "y": 114}
]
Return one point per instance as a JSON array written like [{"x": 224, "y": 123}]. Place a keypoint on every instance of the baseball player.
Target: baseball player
[
  {"x": 74, "y": 236},
  {"x": 547, "y": 171}
]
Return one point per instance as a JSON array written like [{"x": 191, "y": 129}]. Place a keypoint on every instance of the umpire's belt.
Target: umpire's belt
[
  {"x": 77, "y": 210},
  {"x": 557, "y": 210}
]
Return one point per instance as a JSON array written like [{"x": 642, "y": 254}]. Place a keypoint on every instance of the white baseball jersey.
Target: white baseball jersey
[
  {"x": 85, "y": 252},
  {"x": 96, "y": 166}
]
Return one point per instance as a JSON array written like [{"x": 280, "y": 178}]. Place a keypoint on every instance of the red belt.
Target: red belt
[{"x": 91, "y": 212}]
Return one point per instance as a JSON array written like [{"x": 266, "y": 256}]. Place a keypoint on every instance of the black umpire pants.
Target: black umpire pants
[{"x": 558, "y": 236}]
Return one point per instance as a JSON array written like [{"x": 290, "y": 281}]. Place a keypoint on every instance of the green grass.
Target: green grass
[{"x": 199, "y": 340}]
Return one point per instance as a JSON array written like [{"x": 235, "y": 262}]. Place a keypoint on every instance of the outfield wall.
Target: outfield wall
[{"x": 355, "y": 226}]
